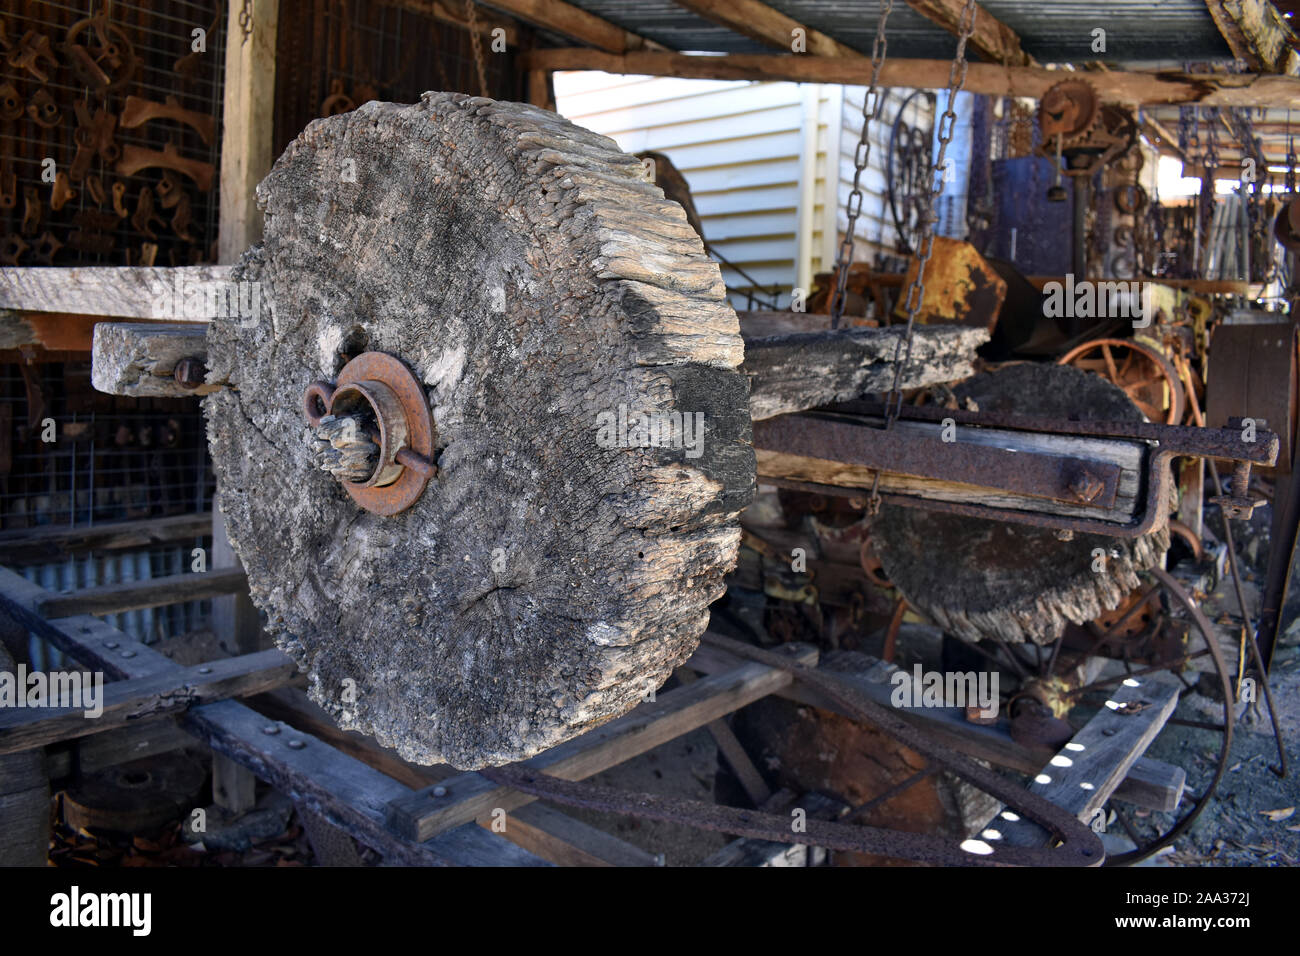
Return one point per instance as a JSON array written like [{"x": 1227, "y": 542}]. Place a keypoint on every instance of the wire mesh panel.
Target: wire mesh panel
[
  {"x": 334, "y": 55},
  {"x": 97, "y": 99}
]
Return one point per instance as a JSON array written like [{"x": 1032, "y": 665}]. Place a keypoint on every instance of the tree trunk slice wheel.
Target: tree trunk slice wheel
[
  {"x": 1146, "y": 376},
  {"x": 549, "y": 576},
  {"x": 980, "y": 579}
]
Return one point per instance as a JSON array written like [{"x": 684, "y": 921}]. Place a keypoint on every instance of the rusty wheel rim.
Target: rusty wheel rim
[{"x": 1146, "y": 376}]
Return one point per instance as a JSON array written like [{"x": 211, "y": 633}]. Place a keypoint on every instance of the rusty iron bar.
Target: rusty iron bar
[
  {"x": 856, "y": 443},
  {"x": 1165, "y": 442}
]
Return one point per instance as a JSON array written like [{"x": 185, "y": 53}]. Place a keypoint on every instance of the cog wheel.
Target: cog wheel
[{"x": 1070, "y": 110}]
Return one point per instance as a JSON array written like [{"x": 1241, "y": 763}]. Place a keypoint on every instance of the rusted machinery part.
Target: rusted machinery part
[
  {"x": 135, "y": 796},
  {"x": 1079, "y": 845},
  {"x": 1069, "y": 109},
  {"x": 983, "y": 579},
  {"x": 870, "y": 562},
  {"x": 535, "y": 285},
  {"x": 1188, "y": 535},
  {"x": 1140, "y": 372}
]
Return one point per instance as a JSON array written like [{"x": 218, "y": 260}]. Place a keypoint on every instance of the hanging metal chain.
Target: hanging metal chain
[
  {"x": 476, "y": 44},
  {"x": 1212, "y": 138},
  {"x": 871, "y": 105}
]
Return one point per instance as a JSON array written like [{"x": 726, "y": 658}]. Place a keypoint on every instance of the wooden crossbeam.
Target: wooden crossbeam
[
  {"x": 992, "y": 38},
  {"x": 1151, "y": 784},
  {"x": 150, "y": 592},
  {"x": 54, "y": 541},
  {"x": 129, "y": 292},
  {"x": 760, "y": 22},
  {"x": 343, "y": 790},
  {"x": 575, "y": 23},
  {"x": 1257, "y": 34},
  {"x": 1129, "y": 88},
  {"x": 470, "y": 796},
  {"x": 126, "y": 702}
]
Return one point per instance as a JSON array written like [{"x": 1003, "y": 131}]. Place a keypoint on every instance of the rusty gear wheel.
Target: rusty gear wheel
[{"x": 1070, "y": 109}]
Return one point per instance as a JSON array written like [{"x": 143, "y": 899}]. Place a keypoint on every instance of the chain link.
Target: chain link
[
  {"x": 872, "y": 102},
  {"x": 476, "y": 44},
  {"x": 925, "y": 243}
]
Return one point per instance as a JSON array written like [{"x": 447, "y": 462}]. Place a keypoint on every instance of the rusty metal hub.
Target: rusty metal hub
[{"x": 381, "y": 387}]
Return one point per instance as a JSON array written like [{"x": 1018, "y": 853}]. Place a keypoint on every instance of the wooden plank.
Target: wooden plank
[
  {"x": 549, "y": 833},
  {"x": 471, "y": 796},
  {"x": 1158, "y": 785},
  {"x": 762, "y": 23},
  {"x": 343, "y": 790},
  {"x": 566, "y": 841},
  {"x": 801, "y": 370},
  {"x": 151, "y": 592},
  {"x": 1232, "y": 34},
  {"x": 338, "y": 787},
  {"x": 1129, "y": 88},
  {"x": 247, "y": 124},
  {"x": 126, "y": 702},
  {"x": 49, "y": 542},
  {"x": 1127, "y": 456},
  {"x": 1086, "y": 772},
  {"x": 991, "y": 37},
  {"x": 234, "y": 788},
  {"x": 24, "y": 800},
  {"x": 135, "y": 292},
  {"x": 733, "y": 751},
  {"x": 132, "y": 742},
  {"x": 1258, "y": 34},
  {"x": 140, "y": 359},
  {"x": 575, "y": 23}
]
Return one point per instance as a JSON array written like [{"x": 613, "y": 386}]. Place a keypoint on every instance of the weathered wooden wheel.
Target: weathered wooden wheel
[
  {"x": 990, "y": 580},
  {"x": 548, "y": 577},
  {"x": 1146, "y": 376}
]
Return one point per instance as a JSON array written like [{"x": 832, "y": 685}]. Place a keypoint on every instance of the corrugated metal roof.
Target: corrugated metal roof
[{"x": 1050, "y": 30}]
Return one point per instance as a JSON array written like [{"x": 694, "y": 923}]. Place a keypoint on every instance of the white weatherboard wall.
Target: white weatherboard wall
[
  {"x": 743, "y": 148},
  {"x": 756, "y": 158}
]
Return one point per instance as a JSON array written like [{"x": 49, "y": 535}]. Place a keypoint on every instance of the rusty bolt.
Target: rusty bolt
[
  {"x": 1238, "y": 503},
  {"x": 190, "y": 373},
  {"x": 1086, "y": 486}
]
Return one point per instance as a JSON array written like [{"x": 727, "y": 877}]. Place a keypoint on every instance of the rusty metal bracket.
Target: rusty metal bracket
[{"x": 850, "y": 433}]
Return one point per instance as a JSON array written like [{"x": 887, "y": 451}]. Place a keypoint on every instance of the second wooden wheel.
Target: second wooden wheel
[{"x": 1146, "y": 376}]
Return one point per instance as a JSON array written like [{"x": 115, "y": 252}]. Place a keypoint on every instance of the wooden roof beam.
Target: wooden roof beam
[
  {"x": 1128, "y": 88},
  {"x": 760, "y": 22},
  {"x": 575, "y": 23},
  {"x": 1257, "y": 34},
  {"x": 992, "y": 38}
]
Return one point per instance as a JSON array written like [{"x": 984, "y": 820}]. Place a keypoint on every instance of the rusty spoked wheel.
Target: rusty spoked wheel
[
  {"x": 1146, "y": 376},
  {"x": 1058, "y": 690}
]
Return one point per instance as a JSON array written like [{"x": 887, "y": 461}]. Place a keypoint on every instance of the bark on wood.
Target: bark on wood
[
  {"x": 987, "y": 579},
  {"x": 790, "y": 373},
  {"x": 140, "y": 359},
  {"x": 533, "y": 281}
]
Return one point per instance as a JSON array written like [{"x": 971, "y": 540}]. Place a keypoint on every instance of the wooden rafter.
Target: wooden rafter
[
  {"x": 575, "y": 23},
  {"x": 760, "y": 22},
  {"x": 1129, "y": 88},
  {"x": 992, "y": 38},
  {"x": 1257, "y": 34}
]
